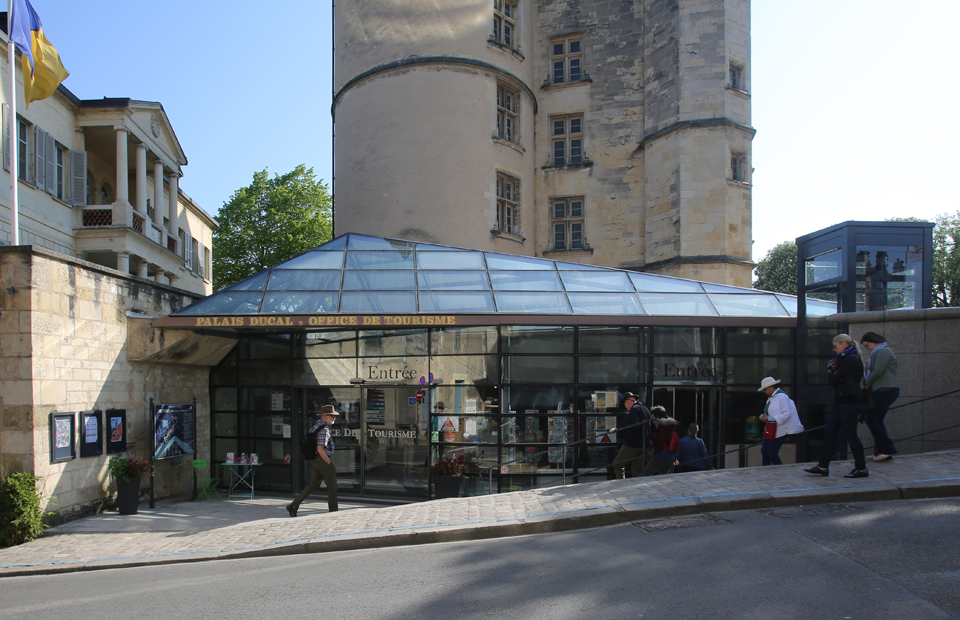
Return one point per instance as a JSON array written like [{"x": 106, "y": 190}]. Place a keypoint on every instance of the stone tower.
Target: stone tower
[{"x": 598, "y": 132}]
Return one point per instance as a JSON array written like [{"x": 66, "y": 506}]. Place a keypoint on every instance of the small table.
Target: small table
[{"x": 241, "y": 479}]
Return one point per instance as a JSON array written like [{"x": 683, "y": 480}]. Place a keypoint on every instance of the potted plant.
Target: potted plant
[
  {"x": 128, "y": 472},
  {"x": 448, "y": 476}
]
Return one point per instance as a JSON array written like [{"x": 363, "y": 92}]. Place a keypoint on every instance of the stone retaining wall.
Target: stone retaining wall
[
  {"x": 63, "y": 347},
  {"x": 927, "y": 346}
]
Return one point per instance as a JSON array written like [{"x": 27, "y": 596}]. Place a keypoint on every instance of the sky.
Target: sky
[{"x": 853, "y": 100}]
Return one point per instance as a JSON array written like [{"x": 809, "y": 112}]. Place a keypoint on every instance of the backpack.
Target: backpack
[
  {"x": 674, "y": 442},
  {"x": 308, "y": 444}
]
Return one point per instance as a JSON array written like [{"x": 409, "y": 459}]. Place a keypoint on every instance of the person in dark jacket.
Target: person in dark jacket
[
  {"x": 632, "y": 434},
  {"x": 844, "y": 373},
  {"x": 692, "y": 453},
  {"x": 665, "y": 443}
]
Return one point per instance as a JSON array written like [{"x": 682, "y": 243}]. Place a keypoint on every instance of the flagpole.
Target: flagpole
[{"x": 13, "y": 152}]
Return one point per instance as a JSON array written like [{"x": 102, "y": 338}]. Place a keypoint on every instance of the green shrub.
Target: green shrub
[{"x": 21, "y": 519}]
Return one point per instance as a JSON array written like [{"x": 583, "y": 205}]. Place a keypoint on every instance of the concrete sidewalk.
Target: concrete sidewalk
[{"x": 197, "y": 531}]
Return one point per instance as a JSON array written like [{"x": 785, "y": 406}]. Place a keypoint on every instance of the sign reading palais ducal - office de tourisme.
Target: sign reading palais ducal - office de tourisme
[{"x": 315, "y": 320}]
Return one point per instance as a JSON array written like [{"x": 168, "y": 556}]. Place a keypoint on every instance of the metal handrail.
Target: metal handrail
[{"x": 563, "y": 447}]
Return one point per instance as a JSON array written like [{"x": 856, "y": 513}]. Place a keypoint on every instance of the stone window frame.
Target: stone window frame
[
  {"x": 508, "y": 204},
  {"x": 737, "y": 74},
  {"x": 564, "y": 61},
  {"x": 567, "y": 218},
  {"x": 738, "y": 167},
  {"x": 505, "y": 18},
  {"x": 508, "y": 113},
  {"x": 566, "y": 139}
]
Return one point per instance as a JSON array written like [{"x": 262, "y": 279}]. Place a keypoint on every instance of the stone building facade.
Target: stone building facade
[
  {"x": 99, "y": 180},
  {"x": 69, "y": 338},
  {"x": 606, "y": 133}
]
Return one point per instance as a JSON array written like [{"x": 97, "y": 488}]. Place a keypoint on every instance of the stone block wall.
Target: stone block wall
[
  {"x": 927, "y": 346},
  {"x": 63, "y": 343}
]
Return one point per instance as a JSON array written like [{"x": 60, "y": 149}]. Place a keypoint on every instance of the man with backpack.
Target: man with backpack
[
  {"x": 321, "y": 457},
  {"x": 632, "y": 434}
]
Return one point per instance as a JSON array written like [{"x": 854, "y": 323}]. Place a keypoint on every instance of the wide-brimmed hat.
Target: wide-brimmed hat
[
  {"x": 328, "y": 410},
  {"x": 768, "y": 382},
  {"x": 629, "y": 395},
  {"x": 440, "y": 405}
]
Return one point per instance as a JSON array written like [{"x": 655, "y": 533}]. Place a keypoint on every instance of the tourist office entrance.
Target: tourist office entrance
[
  {"x": 431, "y": 352},
  {"x": 505, "y": 397}
]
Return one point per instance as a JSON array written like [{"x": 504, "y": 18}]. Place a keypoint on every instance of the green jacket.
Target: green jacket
[{"x": 883, "y": 370}]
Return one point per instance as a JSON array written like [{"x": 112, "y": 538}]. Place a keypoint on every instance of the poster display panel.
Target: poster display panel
[
  {"x": 376, "y": 406},
  {"x": 116, "y": 429},
  {"x": 91, "y": 433},
  {"x": 62, "y": 430},
  {"x": 174, "y": 431}
]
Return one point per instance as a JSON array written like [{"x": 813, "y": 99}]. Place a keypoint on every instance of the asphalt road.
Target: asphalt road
[{"x": 897, "y": 559}]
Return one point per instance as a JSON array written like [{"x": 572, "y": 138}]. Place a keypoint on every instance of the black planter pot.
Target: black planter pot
[
  {"x": 448, "y": 486},
  {"x": 128, "y": 496}
]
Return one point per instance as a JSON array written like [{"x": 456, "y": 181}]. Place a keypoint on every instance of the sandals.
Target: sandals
[{"x": 819, "y": 471}]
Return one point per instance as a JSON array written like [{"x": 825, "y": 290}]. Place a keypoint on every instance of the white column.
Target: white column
[
  {"x": 174, "y": 184},
  {"x": 123, "y": 262},
  {"x": 158, "y": 194},
  {"x": 142, "y": 267},
  {"x": 123, "y": 193},
  {"x": 141, "y": 205},
  {"x": 171, "y": 278}
]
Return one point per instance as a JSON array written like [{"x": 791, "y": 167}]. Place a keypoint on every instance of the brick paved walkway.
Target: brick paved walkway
[{"x": 216, "y": 530}]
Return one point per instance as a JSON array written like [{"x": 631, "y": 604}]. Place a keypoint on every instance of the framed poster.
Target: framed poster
[
  {"x": 62, "y": 430},
  {"x": 116, "y": 427},
  {"x": 174, "y": 431},
  {"x": 91, "y": 433}
]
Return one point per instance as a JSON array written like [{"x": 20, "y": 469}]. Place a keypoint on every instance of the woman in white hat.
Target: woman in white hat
[{"x": 780, "y": 410}]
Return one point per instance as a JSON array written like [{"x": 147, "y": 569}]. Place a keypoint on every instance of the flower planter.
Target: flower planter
[
  {"x": 128, "y": 496},
  {"x": 448, "y": 486}
]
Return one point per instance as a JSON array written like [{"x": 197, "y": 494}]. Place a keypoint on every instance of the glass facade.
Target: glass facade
[
  {"x": 431, "y": 351},
  {"x": 506, "y": 397}
]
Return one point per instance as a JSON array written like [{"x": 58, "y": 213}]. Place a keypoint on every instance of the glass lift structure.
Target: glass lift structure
[{"x": 855, "y": 267}]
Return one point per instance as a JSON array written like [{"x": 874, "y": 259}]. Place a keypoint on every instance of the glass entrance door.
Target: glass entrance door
[
  {"x": 381, "y": 443},
  {"x": 394, "y": 442},
  {"x": 693, "y": 404},
  {"x": 346, "y": 431}
]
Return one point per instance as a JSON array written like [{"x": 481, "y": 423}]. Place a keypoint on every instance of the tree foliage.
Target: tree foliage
[
  {"x": 268, "y": 222},
  {"x": 777, "y": 271},
  {"x": 946, "y": 258}
]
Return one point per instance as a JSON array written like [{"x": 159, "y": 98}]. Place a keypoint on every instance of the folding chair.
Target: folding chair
[{"x": 205, "y": 485}]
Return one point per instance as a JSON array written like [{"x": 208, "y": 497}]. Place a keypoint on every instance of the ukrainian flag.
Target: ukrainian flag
[{"x": 42, "y": 69}]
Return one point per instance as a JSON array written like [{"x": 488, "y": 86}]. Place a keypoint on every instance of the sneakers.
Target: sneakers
[
  {"x": 857, "y": 473},
  {"x": 882, "y": 457},
  {"x": 292, "y": 510},
  {"x": 819, "y": 471}
]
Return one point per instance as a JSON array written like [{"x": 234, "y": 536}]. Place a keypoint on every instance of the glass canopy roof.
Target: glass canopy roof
[{"x": 358, "y": 274}]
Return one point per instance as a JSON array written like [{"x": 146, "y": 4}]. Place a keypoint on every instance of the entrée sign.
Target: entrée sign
[{"x": 321, "y": 320}]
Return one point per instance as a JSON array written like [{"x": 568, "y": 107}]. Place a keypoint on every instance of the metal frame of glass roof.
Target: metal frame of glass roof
[{"x": 361, "y": 274}]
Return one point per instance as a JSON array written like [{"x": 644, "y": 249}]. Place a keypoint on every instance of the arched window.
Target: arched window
[{"x": 106, "y": 194}]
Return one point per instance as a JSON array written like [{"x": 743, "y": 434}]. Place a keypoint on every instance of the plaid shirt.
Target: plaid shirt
[{"x": 323, "y": 437}]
